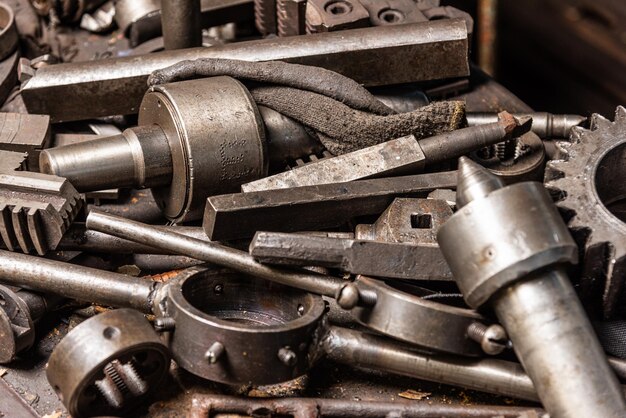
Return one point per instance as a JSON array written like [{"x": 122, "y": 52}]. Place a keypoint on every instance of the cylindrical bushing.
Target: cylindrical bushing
[
  {"x": 265, "y": 333},
  {"x": 216, "y": 137},
  {"x": 491, "y": 255}
]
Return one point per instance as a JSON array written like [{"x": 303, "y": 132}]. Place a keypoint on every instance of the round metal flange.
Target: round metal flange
[
  {"x": 524, "y": 233},
  {"x": 108, "y": 364},
  {"x": 235, "y": 329},
  {"x": 216, "y": 137},
  {"x": 8, "y": 31},
  {"x": 407, "y": 317},
  {"x": 17, "y": 332}
]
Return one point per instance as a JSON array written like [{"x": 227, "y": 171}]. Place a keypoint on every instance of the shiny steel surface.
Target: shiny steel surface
[
  {"x": 76, "y": 282},
  {"x": 488, "y": 375},
  {"x": 515, "y": 264}
]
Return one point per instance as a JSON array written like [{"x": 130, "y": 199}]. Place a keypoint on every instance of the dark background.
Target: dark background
[{"x": 561, "y": 56}]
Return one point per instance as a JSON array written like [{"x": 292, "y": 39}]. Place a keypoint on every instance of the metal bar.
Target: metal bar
[
  {"x": 204, "y": 406},
  {"x": 13, "y": 405},
  {"x": 180, "y": 20},
  {"x": 75, "y": 282},
  {"x": 372, "y": 258},
  {"x": 406, "y": 155},
  {"x": 211, "y": 252},
  {"x": 500, "y": 377},
  {"x": 240, "y": 215},
  {"x": 545, "y": 125},
  {"x": 79, "y": 238},
  {"x": 397, "y": 156},
  {"x": 116, "y": 86}
]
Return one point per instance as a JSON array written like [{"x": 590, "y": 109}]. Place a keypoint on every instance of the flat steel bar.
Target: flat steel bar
[
  {"x": 402, "y": 54},
  {"x": 13, "y": 405},
  {"x": 371, "y": 258},
  {"x": 309, "y": 208}
]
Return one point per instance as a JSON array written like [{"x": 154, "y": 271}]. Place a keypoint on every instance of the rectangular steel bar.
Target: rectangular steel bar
[
  {"x": 372, "y": 56},
  {"x": 240, "y": 215},
  {"x": 372, "y": 258},
  {"x": 398, "y": 156}
]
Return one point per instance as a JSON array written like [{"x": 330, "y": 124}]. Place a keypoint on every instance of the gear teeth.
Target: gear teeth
[
  {"x": 577, "y": 133},
  {"x": 601, "y": 235},
  {"x": 598, "y": 121},
  {"x": 620, "y": 114},
  {"x": 35, "y": 210}
]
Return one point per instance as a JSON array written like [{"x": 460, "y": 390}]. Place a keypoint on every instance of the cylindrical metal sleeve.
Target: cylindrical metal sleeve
[
  {"x": 216, "y": 137},
  {"x": 211, "y": 252},
  {"x": 138, "y": 157},
  {"x": 75, "y": 282},
  {"x": 555, "y": 342},
  {"x": 355, "y": 348},
  {"x": 180, "y": 20},
  {"x": 485, "y": 256}
]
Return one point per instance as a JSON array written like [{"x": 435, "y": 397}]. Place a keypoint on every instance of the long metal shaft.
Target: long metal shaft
[
  {"x": 205, "y": 405},
  {"x": 566, "y": 347},
  {"x": 180, "y": 20},
  {"x": 79, "y": 238},
  {"x": 545, "y": 125},
  {"x": 211, "y": 252},
  {"x": 75, "y": 282},
  {"x": 355, "y": 348},
  {"x": 115, "y": 86}
]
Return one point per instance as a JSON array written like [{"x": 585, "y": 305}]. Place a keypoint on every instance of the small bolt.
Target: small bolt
[
  {"x": 300, "y": 310},
  {"x": 348, "y": 296},
  {"x": 164, "y": 324},
  {"x": 287, "y": 356},
  {"x": 493, "y": 338},
  {"x": 214, "y": 352},
  {"x": 218, "y": 289}
]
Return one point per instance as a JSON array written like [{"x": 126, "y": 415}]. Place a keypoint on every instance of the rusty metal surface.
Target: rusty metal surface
[
  {"x": 96, "y": 86},
  {"x": 205, "y": 406},
  {"x": 35, "y": 210},
  {"x": 312, "y": 207},
  {"x": 13, "y": 405}
]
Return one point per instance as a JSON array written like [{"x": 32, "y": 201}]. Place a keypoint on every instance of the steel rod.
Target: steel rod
[
  {"x": 500, "y": 377},
  {"x": 180, "y": 20},
  {"x": 75, "y": 282},
  {"x": 211, "y": 252}
]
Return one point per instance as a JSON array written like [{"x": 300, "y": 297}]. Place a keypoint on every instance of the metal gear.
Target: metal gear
[{"x": 588, "y": 181}]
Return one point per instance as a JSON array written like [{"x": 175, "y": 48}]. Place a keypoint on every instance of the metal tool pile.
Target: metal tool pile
[{"x": 256, "y": 201}]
